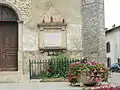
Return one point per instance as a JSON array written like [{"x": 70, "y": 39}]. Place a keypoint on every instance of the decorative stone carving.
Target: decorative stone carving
[
  {"x": 55, "y": 17},
  {"x": 24, "y": 7},
  {"x": 52, "y": 36}
]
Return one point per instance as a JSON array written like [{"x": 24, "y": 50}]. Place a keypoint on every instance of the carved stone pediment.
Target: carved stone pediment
[{"x": 56, "y": 17}]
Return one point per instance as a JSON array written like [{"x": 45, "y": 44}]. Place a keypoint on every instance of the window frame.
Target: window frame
[{"x": 108, "y": 47}]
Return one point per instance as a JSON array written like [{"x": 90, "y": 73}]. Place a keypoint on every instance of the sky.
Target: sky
[{"x": 112, "y": 13}]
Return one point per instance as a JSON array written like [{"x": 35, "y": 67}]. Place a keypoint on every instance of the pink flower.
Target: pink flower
[
  {"x": 107, "y": 84},
  {"x": 90, "y": 81},
  {"x": 77, "y": 63},
  {"x": 100, "y": 63},
  {"x": 88, "y": 78},
  {"x": 101, "y": 70},
  {"x": 89, "y": 63},
  {"x": 92, "y": 74},
  {"x": 98, "y": 75},
  {"x": 112, "y": 88},
  {"x": 95, "y": 70},
  {"x": 93, "y": 63},
  {"x": 97, "y": 80},
  {"x": 78, "y": 76},
  {"x": 101, "y": 79}
]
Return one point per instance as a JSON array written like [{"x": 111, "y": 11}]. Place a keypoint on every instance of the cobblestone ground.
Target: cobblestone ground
[
  {"x": 115, "y": 79},
  {"x": 37, "y": 86}
]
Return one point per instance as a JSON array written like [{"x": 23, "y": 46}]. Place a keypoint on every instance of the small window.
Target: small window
[
  {"x": 108, "y": 47},
  {"x": 108, "y": 62},
  {"x": 118, "y": 60}
]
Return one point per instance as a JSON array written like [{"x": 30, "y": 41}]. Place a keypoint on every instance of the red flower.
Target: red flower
[
  {"x": 73, "y": 65},
  {"x": 93, "y": 63},
  {"x": 77, "y": 63},
  {"x": 90, "y": 81},
  {"x": 79, "y": 76}
]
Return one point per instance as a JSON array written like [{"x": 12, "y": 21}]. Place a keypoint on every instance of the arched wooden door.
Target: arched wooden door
[{"x": 8, "y": 39}]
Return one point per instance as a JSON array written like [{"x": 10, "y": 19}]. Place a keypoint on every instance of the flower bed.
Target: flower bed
[
  {"x": 103, "y": 87},
  {"x": 88, "y": 73}
]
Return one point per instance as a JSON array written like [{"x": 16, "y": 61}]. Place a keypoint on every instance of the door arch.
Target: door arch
[{"x": 8, "y": 39}]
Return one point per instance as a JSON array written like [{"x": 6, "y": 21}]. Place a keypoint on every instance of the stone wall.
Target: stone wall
[
  {"x": 58, "y": 9},
  {"x": 33, "y": 11},
  {"x": 23, "y": 8},
  {"x": 93, "y": 30}
]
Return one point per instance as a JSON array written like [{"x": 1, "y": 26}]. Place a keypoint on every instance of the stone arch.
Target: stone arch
[
  {"x": 8, "y": 38},
  {"x": 19, "y": 73},
  {"x": 11, "y": 6}
]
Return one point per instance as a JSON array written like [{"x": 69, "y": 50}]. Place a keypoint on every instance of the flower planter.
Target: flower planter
[
  {"x": 86, "y": 81},
  {"x": 88, "y": 73}
]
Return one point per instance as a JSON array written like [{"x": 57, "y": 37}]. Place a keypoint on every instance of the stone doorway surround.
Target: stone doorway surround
[{"x": 15, "y": 76}]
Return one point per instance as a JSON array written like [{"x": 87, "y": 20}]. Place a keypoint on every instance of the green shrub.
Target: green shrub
[{"x": 59, "y": 66}]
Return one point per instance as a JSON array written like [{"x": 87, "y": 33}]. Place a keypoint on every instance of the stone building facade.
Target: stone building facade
[{"x": 80, "y": 22}]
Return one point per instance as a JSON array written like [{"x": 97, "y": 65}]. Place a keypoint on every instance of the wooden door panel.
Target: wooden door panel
[
  {"x": 9, "y": 46},
  {"x": 10, "y": 35},
  {"x": 1, "y": 62},
  {"x": 14, "y": 51},
  {"x": 8, "y": 38},
  {"x": 11, "y": 61},
  {"x": 0, "y": 12}
]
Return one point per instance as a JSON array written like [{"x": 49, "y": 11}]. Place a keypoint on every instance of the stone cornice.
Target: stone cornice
[{"x": 55, "y": 24}]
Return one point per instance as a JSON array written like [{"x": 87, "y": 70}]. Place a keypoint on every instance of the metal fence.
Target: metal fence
[{"x": 50, "y": 68}]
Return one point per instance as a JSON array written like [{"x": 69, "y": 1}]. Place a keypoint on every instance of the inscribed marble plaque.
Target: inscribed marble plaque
[{"x": 52, "y": 39}]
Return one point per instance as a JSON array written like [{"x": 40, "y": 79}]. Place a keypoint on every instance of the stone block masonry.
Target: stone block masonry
[{"x": 93, "y": 33}]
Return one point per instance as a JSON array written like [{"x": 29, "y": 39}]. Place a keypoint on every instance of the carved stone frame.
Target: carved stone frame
[{"x": 52, "y": 27}]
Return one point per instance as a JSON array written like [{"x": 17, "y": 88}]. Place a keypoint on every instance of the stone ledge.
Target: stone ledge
[{"x": 50, "y": 80}]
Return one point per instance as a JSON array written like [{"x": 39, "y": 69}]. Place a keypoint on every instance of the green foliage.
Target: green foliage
[{"x": 59, "y": 66}]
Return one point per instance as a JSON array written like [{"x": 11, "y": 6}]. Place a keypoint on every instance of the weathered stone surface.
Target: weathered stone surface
[
  {"x": 2, "y": 0},
  {"x": 93, "y": 30},
  {"x": 74, "y": 37},
  {"x": 92, "y": 1},
  {"x": 30, "y": 39}
]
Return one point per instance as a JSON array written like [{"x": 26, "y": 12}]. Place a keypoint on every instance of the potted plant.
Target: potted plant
[{"x": 88, "y": 73}]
